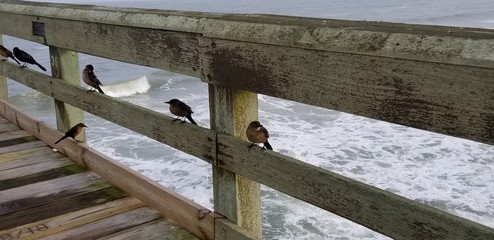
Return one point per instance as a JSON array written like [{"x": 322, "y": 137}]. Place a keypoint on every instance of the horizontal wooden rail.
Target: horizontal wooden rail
[
  {"x": 159, "y": 48},
  {"x": 194, "y": 140},
  {"x": 184, "y": 212},
  {"x": 435, "y": 78},
  {"x": 379, "y": 210},
  {"x": 450, "y": 99},
  {"x": 374, "y": 208},
  {"x": 439, "y": 79},
  {"x": 465, "y": 46}
]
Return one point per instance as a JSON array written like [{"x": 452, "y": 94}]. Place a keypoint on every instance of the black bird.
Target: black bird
[
  {"x": 73, "y": 132},
  {"x": 26, "y": 58},
  {"x": 6, "y": 54},
  {"x": 91, "y": 79},
  {"x": 181, "y": 109},
  {"x": 256, "y": 133}
]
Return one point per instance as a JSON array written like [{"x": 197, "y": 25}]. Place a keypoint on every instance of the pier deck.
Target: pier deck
[{"x": 45, "y": 195}]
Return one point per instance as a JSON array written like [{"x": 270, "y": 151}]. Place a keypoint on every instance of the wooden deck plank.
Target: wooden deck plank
[
  {"x": 184, "y": 211},
  {"x": 108, "y": 226},
  {"x": 8, "y": 127},
  {"x": 28, "y": 157},
  {"x": 19, "y": 172},
  {"x": 20, "y": 147},
  {"x": 158, "y": 229},
  {"x": 18, "y": 140},
  {"x": 3, "y": 120},
  {"x": 28, "y": 177},
  {"x": 13, "y": 134},
  {"x": 60, "y": 207},
  {"x": 74, "y": 219},
  {"x": 47, "y": 187},
  {"x": 38, "y": 208}
]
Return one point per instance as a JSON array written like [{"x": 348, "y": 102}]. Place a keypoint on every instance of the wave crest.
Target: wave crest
[{"x": 127, "y": 88}]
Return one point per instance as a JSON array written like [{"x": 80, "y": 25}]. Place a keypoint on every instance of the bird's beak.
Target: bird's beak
[{"x": 167, "y": 102}]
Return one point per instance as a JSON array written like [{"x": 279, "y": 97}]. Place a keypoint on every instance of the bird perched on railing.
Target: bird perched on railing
[
  {"x": 90, "y": 78},
  {"x": 180, "y": 109},
  {"x": 26, "y": 58},
  {"x": 6, "y": 54},
  {"x": 73, "y": 132},
  {"x": 256, "y": 133}
]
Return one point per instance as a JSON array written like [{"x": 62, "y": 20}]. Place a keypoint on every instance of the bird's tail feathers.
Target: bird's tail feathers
[
  {"x": 191, "y": 120},
  {"x": 64, "y": 137},
  {"x": 99, "y": 89},
  {"x": 39, "y": 65},
  {"x": 268, "y": 146}
]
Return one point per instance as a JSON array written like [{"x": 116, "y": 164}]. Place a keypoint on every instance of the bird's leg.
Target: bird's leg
[
  {"x": 91, "y": 90},
  {"x": 263, "y": 148},
  {"x": 250, "y": 146},
  {"x": 23, "y": 65},
  {"x": 183, "y": 120},
  {"x": 176, "y": 119}
]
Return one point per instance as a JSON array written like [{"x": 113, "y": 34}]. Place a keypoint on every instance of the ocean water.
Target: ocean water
[{"x": 451, "y": 174}]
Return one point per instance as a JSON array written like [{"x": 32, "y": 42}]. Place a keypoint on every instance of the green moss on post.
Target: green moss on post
[
  {"x": 235, "y": 197},
  {"x": 65, "y": 65}
]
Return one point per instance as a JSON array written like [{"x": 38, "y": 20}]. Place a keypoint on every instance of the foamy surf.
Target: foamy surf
[{"x": 127, "y": 88}]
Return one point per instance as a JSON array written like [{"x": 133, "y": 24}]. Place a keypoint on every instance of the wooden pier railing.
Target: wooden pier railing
[{"x": 434, "y": 78}]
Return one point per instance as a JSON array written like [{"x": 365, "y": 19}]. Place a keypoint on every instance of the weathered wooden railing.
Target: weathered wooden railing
[{"x": 439, "y": 79}]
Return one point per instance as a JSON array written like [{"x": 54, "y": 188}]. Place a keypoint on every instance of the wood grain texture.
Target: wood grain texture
[
  {"x": 74, "y": 219},
  {"x": 39, "y": 176},
  {"x": 444, "y": 98},
  {"x": 379, "y": 210},
  {"x": 107, "y": 226},
  {"x": 5, "y": 136},
  {"x": 189, "y": 138},
  {"x": 235, "y": 197},
  {"x": 181, "y": 210},
  {"x": 226, "y": 230},
  {"x": 457, "y": 45},
  {"x": 41, "y": 193},
  {"x": 18, "y": 140},
  {"x": 65, "y": 66},
  {"x": 159, "y": 229},
  {"x": 43, "y": 166},
  {"x": 27, "y": 157},
  {"x": 434, "y": 78},
  {"x": 26, "y": 170},
  {"x": 6, "y": 128},
  {"x": 170, "y": 50},
  {"x": 52, "y": 209},
  {"x": 21, "y": 147}
]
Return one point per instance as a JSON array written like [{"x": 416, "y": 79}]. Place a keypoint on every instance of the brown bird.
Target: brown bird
[
  {"x": 181, "y": 109},
  {"x": 91, "y": 79},
  {"x": 256, "y": 133},
  {"x": 26, "y": 58},
  {"x": 73, "y": 132},
  {"x": 6, "y": 54}
]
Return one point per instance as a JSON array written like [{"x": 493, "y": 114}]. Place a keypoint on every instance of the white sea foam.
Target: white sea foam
[
  {"x": 127, "y": 88},
  {"x": 448, "y": 173}
]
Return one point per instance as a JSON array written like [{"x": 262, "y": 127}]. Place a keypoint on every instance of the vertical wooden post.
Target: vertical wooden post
[
  {"x": 65, "y": 65},
  {"x": 235, "y": 197},
  {"x": 4, "y": 92}
]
